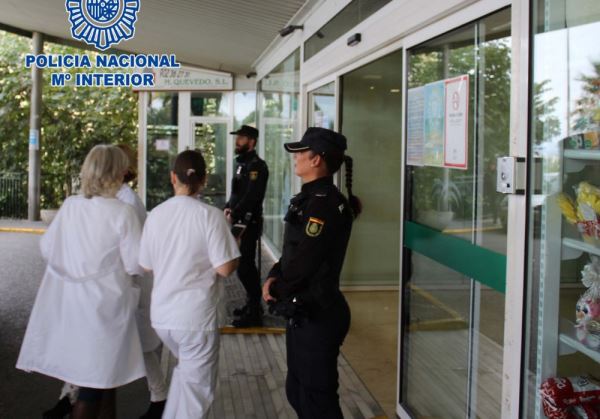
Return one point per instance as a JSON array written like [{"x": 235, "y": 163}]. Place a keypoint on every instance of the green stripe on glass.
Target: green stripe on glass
[{"x": 483, "y": 265}]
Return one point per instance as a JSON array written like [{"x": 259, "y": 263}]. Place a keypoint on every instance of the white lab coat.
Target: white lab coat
[
  {"x": 82, "y": 327},
  {"x": 148, "y": 336}
]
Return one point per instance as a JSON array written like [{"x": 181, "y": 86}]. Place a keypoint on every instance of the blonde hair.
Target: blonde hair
[{"x": 102, "y": 171}]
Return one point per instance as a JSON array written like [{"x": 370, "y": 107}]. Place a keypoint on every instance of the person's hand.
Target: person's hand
[
  {"x": 265, "y": 290},
  {"x": 227, "y": 212}
]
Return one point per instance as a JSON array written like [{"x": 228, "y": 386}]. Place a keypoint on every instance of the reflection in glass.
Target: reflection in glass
[
  {"x": 564, "y": 125},
  {"x": 211, "y": 140},
  {"x": 371, "y": 120},
  {"x": 210, "y": 104},
  {"x": 161, "y": 135},
  {"x": 278, "y": 124},
  {"x": 350, "y": 16},
  {"x": 322, "y": 107},
  {"x": 245, "y": 109}
]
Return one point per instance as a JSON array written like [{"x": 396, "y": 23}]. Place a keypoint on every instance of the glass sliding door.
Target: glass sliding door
[
  {"x": 454, "y": 263},
  {"x": 211, "y": 139},
  {"x": 162, "y": 133},
  {"x": 561, "y": 340},
  {"x": 278, "y": 124},
  {"x": 371, "y": 119}
]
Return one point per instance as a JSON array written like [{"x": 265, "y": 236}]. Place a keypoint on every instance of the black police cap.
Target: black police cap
[
  {"x": 319, "y": 140},
  {"x": 246, "y": 131}
]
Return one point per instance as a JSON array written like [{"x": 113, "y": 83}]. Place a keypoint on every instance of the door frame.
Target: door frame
[{"x": 190, "y": 144}]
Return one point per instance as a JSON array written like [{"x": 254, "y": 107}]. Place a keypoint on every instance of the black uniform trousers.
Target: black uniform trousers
[
  {"x": 247, "y": 270},
  {"x": 313, "y": 345}
]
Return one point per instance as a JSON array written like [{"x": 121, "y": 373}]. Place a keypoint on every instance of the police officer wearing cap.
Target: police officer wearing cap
[
  {"x": 304, "y": 285},
  {"x": 244, "y": 211}
]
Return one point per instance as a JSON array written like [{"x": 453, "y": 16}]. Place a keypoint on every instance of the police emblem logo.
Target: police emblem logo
[
  {"x": 102, "y": 23},
  {"x": 253, "y": 175},
  {"x": 314, "y": 227}
]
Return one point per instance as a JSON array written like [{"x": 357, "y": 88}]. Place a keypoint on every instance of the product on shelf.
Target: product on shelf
[
  {"x": 587, "y": 140},
  {"x": 571, "y": 398},
  {"x": 587, "y": 311},
  {"x": 585, "y": 212}
]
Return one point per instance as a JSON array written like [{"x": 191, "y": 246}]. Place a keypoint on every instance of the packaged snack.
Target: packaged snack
[
  {"x": 584, "y": 212},
  {"x": 561, "y": 393},
  {"x": 587, "y": 311}
]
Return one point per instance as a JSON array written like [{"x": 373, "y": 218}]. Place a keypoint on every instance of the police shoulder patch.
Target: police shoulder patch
[
  {"x": 253, "y": 175},
  {"x": 314, "y": 227}
]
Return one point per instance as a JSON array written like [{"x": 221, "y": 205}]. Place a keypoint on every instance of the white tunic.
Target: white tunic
[
  {"x": 184, "y": 240},
  {"x": 82, "y": 327},
  {"x": 148, "y": 336}
]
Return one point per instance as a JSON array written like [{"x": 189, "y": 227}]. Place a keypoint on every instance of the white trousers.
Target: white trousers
[
  {"x": 194, "y": 378},
  {"x": 154, "y": 375}
]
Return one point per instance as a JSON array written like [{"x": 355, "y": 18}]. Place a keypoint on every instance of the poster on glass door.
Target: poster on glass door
[{"x": 437, "y": 121}]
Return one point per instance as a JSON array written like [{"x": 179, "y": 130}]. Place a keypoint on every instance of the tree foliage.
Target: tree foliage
[{"x": 73, "y": 119}]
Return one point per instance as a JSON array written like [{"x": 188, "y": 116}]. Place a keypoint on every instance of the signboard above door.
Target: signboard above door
[{"x": 189, "y": 79}]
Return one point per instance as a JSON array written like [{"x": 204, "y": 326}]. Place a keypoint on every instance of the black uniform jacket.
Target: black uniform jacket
[
  {"x": 317, "y": 230},
  {"x": 248, "y": 188}
]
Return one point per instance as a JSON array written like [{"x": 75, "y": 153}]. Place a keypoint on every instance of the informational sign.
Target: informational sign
[
  {"x": 437, "y": 119},
  {"x": 162, "y": 144},
  {"x": 34, "y": 139},
  {"x": 414, "y": 127},
  {"x": 456, "y": 120},
  {"x": 433, "y": 119},
  {"x": 189, "y": 79}
]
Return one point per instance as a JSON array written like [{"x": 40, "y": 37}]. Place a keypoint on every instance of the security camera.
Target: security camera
[
  {"x": 289, "y": 29},
  {"x": 251, "y": 74}
]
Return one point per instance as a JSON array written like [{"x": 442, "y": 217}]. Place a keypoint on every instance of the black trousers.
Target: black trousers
[
  {"x": 247, "y": 270},
  {"x": 313, "y": 347}
]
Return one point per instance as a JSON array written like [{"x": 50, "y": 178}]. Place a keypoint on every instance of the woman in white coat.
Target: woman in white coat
[
  {"x": 186, "y": 243},
  {"x": 82, "y": 328}
]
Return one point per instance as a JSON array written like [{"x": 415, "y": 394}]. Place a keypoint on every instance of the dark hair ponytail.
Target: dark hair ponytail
[
  {"x": 355, "y": 204},
  {"x": 190, "y": 169}
]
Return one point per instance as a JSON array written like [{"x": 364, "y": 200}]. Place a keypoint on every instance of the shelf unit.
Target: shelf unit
[{"x": 557, "y": 336}]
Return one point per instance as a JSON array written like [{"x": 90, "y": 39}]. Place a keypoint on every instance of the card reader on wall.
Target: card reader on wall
[{"x": 510, "y": 175}]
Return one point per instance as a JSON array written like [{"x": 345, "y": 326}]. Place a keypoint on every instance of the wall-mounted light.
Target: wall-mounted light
[
  {"x": 289, "y": 29},
  {"x": 354, "y": 40}
]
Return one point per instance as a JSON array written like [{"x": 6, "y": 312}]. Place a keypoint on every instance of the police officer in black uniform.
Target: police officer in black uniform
[
  {"x": 304, "y": 285},
  {"x": 244, "y": 211}
]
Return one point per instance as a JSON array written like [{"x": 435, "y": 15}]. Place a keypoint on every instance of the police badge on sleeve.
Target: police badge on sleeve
[
  {"x": 102, "y": 23},
  {"x": 314, "y": 227}
]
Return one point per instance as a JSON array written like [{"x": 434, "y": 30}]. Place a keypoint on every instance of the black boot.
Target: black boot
[
  {"x": 60, "y": 410},
  {"x": 252, "y": 317},
  {"x": 240, "y": 311},
  {"x": 155, "y": 410}
]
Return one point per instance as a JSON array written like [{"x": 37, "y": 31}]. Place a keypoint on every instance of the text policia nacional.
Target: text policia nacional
[{"x": 132, "y": 68}]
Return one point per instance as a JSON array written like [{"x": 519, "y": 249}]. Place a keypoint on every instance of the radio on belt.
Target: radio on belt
[{"x": 510, "y": 175}]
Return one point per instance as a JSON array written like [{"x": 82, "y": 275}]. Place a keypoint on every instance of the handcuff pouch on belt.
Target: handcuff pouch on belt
[{"x": 292, "y": 310}]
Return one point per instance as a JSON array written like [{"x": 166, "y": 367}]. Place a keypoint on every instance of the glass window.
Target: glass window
[
  {"x": 350, "y": 16},
  {"x": 244, "y": 106},
  {"x": 278, "y": 107},
  {"x": 161, "y": 135},
  {"x": 371, "y": 120},
  {"x": 210, "y": 104},
  {"x": 322, "y": 107},
  {"x": 564, "y": 222},
  {"x": 453, "y": 313}
]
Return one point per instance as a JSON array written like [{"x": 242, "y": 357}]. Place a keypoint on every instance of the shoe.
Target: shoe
[
  {"x": 155, "y": 410},
  {"x": 240, "y": 311},
  {"x": 60, "y": 410},
  {"x": 251, "y": 318}
]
